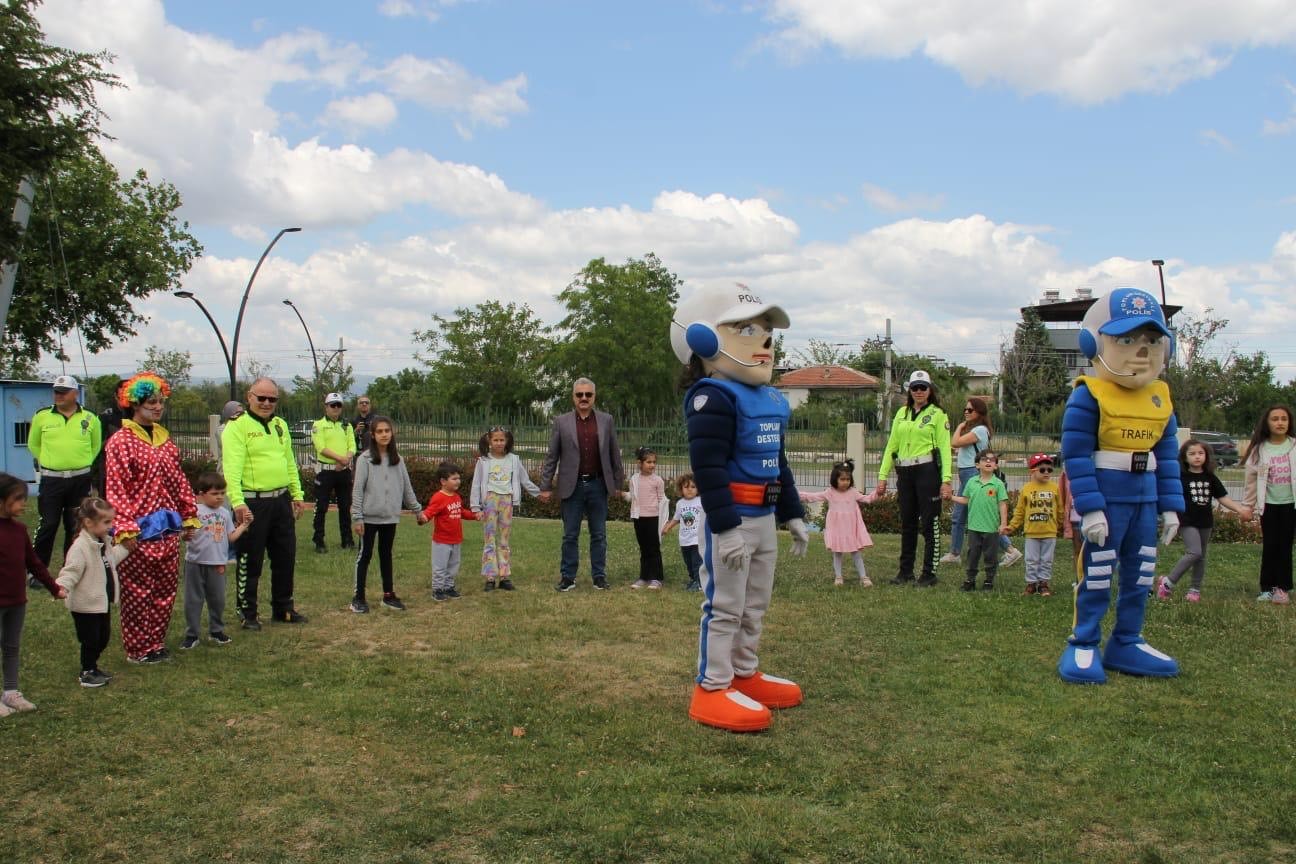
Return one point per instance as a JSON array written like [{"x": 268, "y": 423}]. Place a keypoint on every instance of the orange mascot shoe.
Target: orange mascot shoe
[
  {"x": 728, "y": 709},
  {"x": 769, "y": 691}
]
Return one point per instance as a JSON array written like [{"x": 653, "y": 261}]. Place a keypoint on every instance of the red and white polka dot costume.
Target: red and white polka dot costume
[{"x": 142, "y": 476}]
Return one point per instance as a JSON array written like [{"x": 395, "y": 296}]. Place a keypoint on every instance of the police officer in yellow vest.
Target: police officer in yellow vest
[
  {"x": 64, "y": 439},
  {"x": 919, "y": 448},
  {"x": 334, "y": 442},
  {"x": 262, "y": 479}
]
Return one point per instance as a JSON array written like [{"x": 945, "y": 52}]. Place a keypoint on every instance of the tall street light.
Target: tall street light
[
  {"x": 310, "y": 342},
  {"x": 238, "y": 325},
  {"x": 229, "y": 363},
  {"x": 1159, "y": 263}
]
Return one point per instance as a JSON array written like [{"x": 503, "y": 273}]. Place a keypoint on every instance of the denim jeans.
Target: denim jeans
[{"x": 589, "y": 501}]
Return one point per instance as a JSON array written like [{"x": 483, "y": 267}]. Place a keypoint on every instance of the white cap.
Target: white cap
[
  {"x": 918, "y": 376},
  {"x": 333, "y": 397},
  {"x": 65, "y": 382},
  {"x": 720, "y": 305}
]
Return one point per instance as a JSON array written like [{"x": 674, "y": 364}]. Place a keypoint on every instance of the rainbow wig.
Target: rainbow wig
[{"x": 142, "y": 387}]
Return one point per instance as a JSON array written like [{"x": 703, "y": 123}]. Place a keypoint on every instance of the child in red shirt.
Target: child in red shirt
[{"x": 445, "y": 511}]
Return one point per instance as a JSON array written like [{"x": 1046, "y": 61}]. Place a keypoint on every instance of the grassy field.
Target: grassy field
[{"x": 538, "y": 726}]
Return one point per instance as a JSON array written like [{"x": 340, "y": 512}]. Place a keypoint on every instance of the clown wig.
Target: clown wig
[{"x": 142, "y": 387}]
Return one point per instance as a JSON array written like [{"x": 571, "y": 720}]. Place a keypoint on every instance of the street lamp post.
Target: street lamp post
[
  {"x": 1159, "y": 263},
  {"x": 229, "y": 363},
  {"x": 238, "y": 324},
  {"x": 310, "y": 342}
]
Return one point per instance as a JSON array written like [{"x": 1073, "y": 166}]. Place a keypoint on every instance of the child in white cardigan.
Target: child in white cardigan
[
  {"x": 90, "y": 576},
  {"x": 497, "y": 484}
]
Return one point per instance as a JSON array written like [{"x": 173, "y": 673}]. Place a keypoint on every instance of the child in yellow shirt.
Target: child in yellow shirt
[{"x": 1039, "y": 511}]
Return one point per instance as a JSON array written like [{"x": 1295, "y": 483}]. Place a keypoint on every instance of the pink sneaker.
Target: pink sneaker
[
  {"x": 1164, "y": 589},
  {"x": 1279, "y": 599},
  {"x": 14, "y": 699},
  {"x": 1194, "y": 596}
]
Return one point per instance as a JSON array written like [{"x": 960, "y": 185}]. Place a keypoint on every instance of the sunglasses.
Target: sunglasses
[
  {"x": 914, "y": 387},
  {"x": 61, "y": 390},
  {"x": 1045, "y": 470},
  {"x": 363, "y": 402},
  {"x": 267, "y": 399},
  {"x": 969, "y": 410},
  {"x": 333, "y": 404},
  {"x": 583, "y": 395}
]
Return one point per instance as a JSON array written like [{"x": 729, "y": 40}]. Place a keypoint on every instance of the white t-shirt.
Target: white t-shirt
[{"x": 689, "y": 514}]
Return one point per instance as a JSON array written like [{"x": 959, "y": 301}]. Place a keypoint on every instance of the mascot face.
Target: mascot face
[
  {"x": 1133, "y": 359},
  {"x": 747, "y": 353}
]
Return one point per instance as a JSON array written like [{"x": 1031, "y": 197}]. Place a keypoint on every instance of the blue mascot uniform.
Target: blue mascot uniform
[{"x": 1120, "y": 450}]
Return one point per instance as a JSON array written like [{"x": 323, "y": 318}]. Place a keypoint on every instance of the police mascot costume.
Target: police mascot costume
[
  {"x": 736, "y": 429},
  {"x": 1121, "y": 456}
]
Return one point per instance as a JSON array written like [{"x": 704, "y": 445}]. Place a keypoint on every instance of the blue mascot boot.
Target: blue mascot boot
[
  {"x": 1137, "y": 657},
  {"x": 1079, "y": 665}
]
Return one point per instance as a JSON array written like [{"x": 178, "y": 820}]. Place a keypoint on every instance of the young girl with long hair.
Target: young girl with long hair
[
  {"x": 497, "y": 484},
  {"x": 382, "y": 489},
  {"x": 844, "y": 530},
  {"x": 1200, "y": 488},
  {"x": 1271, "y": 495},
  {"x": 17, "y": 558},
  {"x": 648, "y": 505},
  {"x": 90, "y": 576}
]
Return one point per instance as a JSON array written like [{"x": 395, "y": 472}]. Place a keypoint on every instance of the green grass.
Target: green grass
[{"x": 934, "y": 728}]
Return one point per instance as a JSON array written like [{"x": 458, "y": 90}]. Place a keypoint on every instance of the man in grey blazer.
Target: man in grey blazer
[{"x": 584, "y": 450}]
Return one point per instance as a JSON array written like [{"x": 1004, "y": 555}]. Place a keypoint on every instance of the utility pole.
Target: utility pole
[
  {"x": 9, "y": 273},
  {"x": 885, "y": 419}
]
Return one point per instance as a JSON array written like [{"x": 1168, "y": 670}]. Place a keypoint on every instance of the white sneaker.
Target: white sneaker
[
  {"x": 1011, "y": 557},
  {"x": 14, "y": 699},
  {"x": 949, "y": 558},
  {"x": 5, "y": 710},
  {"x": 639, "y": 583}
]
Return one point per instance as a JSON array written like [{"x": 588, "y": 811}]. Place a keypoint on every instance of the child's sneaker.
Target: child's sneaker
[
  {"x": 866, "y": 582},
  {"x": 837, "y": 580},
  {"x": 968, "y": 585},
  {"x": 189, "y": 643},
  {"x": 219, "y": 639},
  {"x": 5, "y": 710},
  {"x": 1031, "y": 588},
  {"x": 391, "y": 601},
  {"x": 639, "y": 583},
  {"x": 15, "y": 700},
  {"x": 359, "y": 606},
  {"x": 1044, "y": 590},
  {"x": 439, "y": 595},
  {"x": 1164, "y": 589},
  {"x": 452, "y": 594},
  {"x": 92, "y": 678},
  {"x": 1194, "y": 596},
  {"x": 506, "y": 585},
  {"x": 489, "y": 586},
  {"x": 1279, "y": 597},
  {"x": 654, "y": 584},
  {"x": 949, "y": 558},
  {"x": 104, "y": 672},
  {"x": 693, "y": 585},
  {"x": 1011, "y": 557},
  {"x": 1264, "y": 597}
]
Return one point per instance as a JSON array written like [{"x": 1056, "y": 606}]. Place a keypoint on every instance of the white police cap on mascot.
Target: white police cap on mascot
[
  {"x": 1122, "y": 311},
  {"x": 693, "y": 327}
]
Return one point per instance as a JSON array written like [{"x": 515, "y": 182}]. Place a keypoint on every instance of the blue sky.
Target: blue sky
[{"x": 940, "y": 163}]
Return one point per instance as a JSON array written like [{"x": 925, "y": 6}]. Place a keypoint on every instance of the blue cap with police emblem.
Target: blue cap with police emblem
[{"x": 1122, "y": 311}]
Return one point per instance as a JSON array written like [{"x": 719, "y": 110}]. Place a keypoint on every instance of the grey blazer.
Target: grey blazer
[{"x": 564, "y": 454}]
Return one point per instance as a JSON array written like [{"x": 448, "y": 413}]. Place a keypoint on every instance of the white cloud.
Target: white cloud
[
  {"x": 440, "y": 84},
  {"x": 427, "y": 9},
  {"x": 1219, "y": 139},
  {"x": 370, "y": 111},
  {"x": 1085, "y": 52},
  {"x": 889, "y": 202},
  {"x": 1288, "y": 124}
]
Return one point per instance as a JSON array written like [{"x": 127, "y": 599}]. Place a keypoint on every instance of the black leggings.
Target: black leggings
[
  {"x": 93, "y": 630},
  {"x": 650, "y": 562},
  {"x": 1277, "y": 526},
  {"x": 386, "y": 535}
]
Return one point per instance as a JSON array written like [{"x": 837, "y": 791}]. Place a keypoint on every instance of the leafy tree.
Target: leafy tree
[
  {"x": 1196, "y": 375},
  {"x": 408, "y": 394},
  {"x": 47, "y": 102},
  {"x": 617, "y": 333},
  {"x": 490, "y": 357},
  {"x": 820, "y": 353},
  {"x": 1034, "y": 376},
  {"x": 333, "y": 379},
  {"x": 175, "y": 366},
  {"x": 120, "y": 242}
]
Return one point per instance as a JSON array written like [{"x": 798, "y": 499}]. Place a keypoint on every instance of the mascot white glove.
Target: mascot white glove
[
  {"x": 800, "y": 537},
  {"x": 1094, "y": 527},
  {"x": 1169, "y": 527},
  {"x": 732, "y": 548}
]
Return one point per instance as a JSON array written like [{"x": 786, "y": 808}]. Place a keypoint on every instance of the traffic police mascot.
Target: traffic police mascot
[
  {"x": 737, "y": 424},
  {"x": 1121, "y": 455}
]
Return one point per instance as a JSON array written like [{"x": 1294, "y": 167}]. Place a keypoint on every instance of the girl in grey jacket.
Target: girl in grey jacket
[
  {"x": 497, "y": 484},
  {"x": 381, "y": 490}
]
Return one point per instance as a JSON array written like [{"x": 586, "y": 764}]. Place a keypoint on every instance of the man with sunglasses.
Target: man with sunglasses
[
  {"x": 65, "y": 440},
  {"x": 334, "y": 442},
  {"x": 583, "y": 449},
  {"x": 919, "y": 448},
  {"x": 360, "y": 422},
  {"x": 263, "y": 482}
]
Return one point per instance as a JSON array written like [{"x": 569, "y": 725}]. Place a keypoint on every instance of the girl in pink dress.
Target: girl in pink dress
[{"x": 844, "y": 530}]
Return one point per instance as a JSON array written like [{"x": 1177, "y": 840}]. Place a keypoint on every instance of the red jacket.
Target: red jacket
[
  {"x": 17, "y": 559},
  {"x": 446, "y": 510}
]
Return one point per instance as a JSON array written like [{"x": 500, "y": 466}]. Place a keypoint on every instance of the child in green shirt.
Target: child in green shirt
[{"x": 986, "y": 498}]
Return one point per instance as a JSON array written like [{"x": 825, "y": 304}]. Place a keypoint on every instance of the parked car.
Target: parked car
[{"x": 1225, "y": 448}]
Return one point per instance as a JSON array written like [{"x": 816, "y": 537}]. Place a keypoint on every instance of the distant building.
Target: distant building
[
  {"x": 798, "y": 384},
  {"x": 1063, "y": 317},
  {"x": 981, "y": 383}
]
